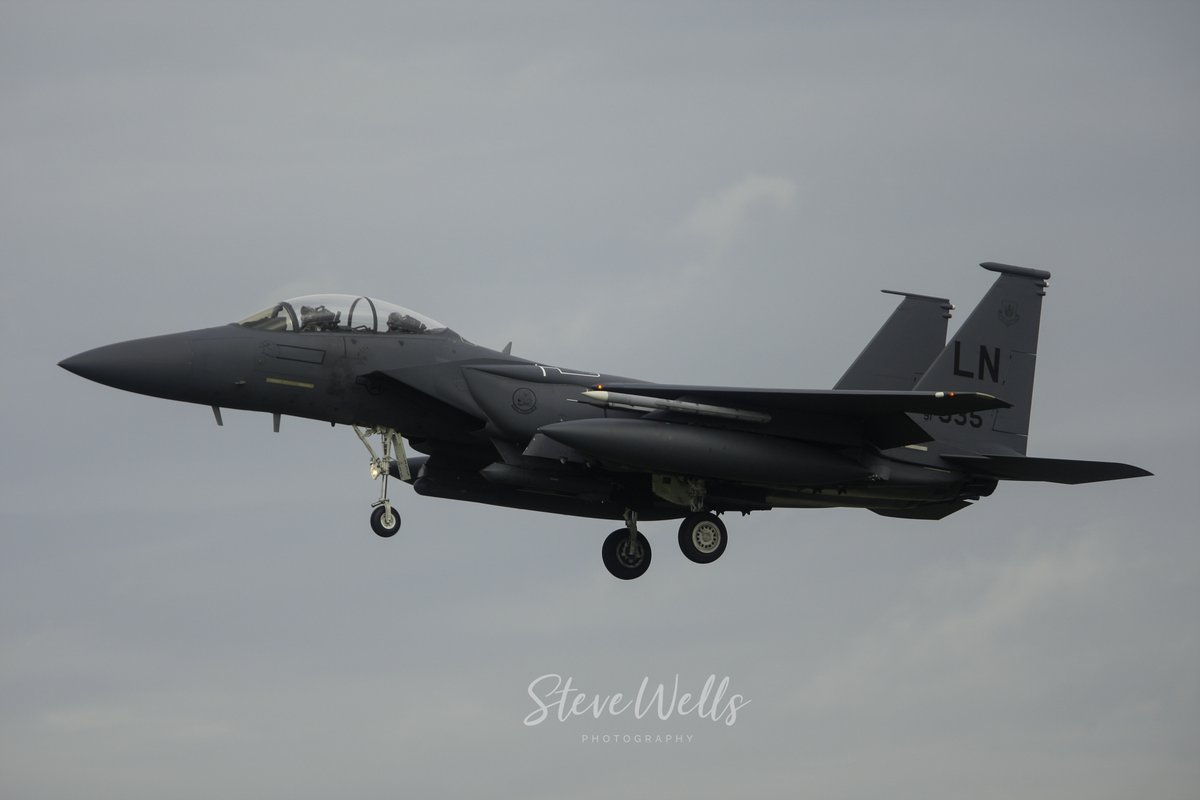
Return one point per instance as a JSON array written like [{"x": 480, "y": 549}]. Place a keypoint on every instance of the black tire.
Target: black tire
[
  {"x": 623, "y": 561},
  {"x": 702, "y": 537},
  {"x": 377, "y": 523}
]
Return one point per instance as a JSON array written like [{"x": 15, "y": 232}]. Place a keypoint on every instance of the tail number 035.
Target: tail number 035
[{"x": 972, "y": 419}]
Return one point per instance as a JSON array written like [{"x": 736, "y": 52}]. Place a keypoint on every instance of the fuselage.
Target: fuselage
[{"x": 477, "y": 413}]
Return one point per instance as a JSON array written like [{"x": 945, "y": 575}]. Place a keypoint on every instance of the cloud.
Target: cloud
[
  {"x": 717, "y": 220},
  {"x": 951, "y": 633}
]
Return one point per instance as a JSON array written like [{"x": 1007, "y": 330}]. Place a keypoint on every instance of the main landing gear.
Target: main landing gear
[
  {"x": 702, "y": 537},
  {"x": 384, "y": 519},
  {"x": 626, "y": 552}
]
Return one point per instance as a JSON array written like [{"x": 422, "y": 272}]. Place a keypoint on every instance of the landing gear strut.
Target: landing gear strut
[
  {"x": 626, "y": 552},
  {"x": 384, "y": 519}
]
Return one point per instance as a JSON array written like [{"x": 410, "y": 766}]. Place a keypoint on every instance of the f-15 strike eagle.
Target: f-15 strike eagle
[{"x": 917, "y": 427}]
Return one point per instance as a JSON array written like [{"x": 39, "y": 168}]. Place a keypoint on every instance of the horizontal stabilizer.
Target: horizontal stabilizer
[{"x": 1051, "y": 470}]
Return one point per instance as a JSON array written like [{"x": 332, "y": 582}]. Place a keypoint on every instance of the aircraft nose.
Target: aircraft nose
[{"x": 160, "y": 366}]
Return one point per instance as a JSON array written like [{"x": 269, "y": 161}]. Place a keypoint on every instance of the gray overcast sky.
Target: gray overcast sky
[{"x": 698, "y": 192}]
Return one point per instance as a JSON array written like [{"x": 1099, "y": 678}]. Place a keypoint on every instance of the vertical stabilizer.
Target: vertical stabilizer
[
  {"x": 994, "y": 351},
  {"x": 903, "y": 348}
]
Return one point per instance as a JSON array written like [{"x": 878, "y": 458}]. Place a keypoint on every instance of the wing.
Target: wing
[{"x": 831, "y": 416}]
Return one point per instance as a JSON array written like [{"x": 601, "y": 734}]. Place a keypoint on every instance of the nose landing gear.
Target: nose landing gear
[{"x": 384, "y": 519}]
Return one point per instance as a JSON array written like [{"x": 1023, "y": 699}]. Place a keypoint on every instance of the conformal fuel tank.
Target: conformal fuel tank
[{"x": 706, "y": 452}]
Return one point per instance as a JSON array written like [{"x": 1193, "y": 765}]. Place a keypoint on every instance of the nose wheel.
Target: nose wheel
[{"x": 384, "y": 519}]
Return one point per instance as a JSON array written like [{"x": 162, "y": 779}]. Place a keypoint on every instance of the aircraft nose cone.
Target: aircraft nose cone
[
  {"x": 160, "y": 366},
  {"x": 76, "y": 364}
]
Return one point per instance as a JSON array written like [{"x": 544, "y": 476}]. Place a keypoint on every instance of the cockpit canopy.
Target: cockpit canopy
[{"x": 341, "y": 312}]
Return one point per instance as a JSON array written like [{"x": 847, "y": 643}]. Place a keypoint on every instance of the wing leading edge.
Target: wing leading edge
[{"x": 851, "y": 403}]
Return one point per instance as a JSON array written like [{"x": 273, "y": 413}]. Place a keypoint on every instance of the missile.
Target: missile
[{"x": 638, "y": 402}]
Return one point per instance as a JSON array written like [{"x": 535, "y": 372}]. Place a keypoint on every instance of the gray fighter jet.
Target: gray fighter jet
[{"x": 917, "y": 427}]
